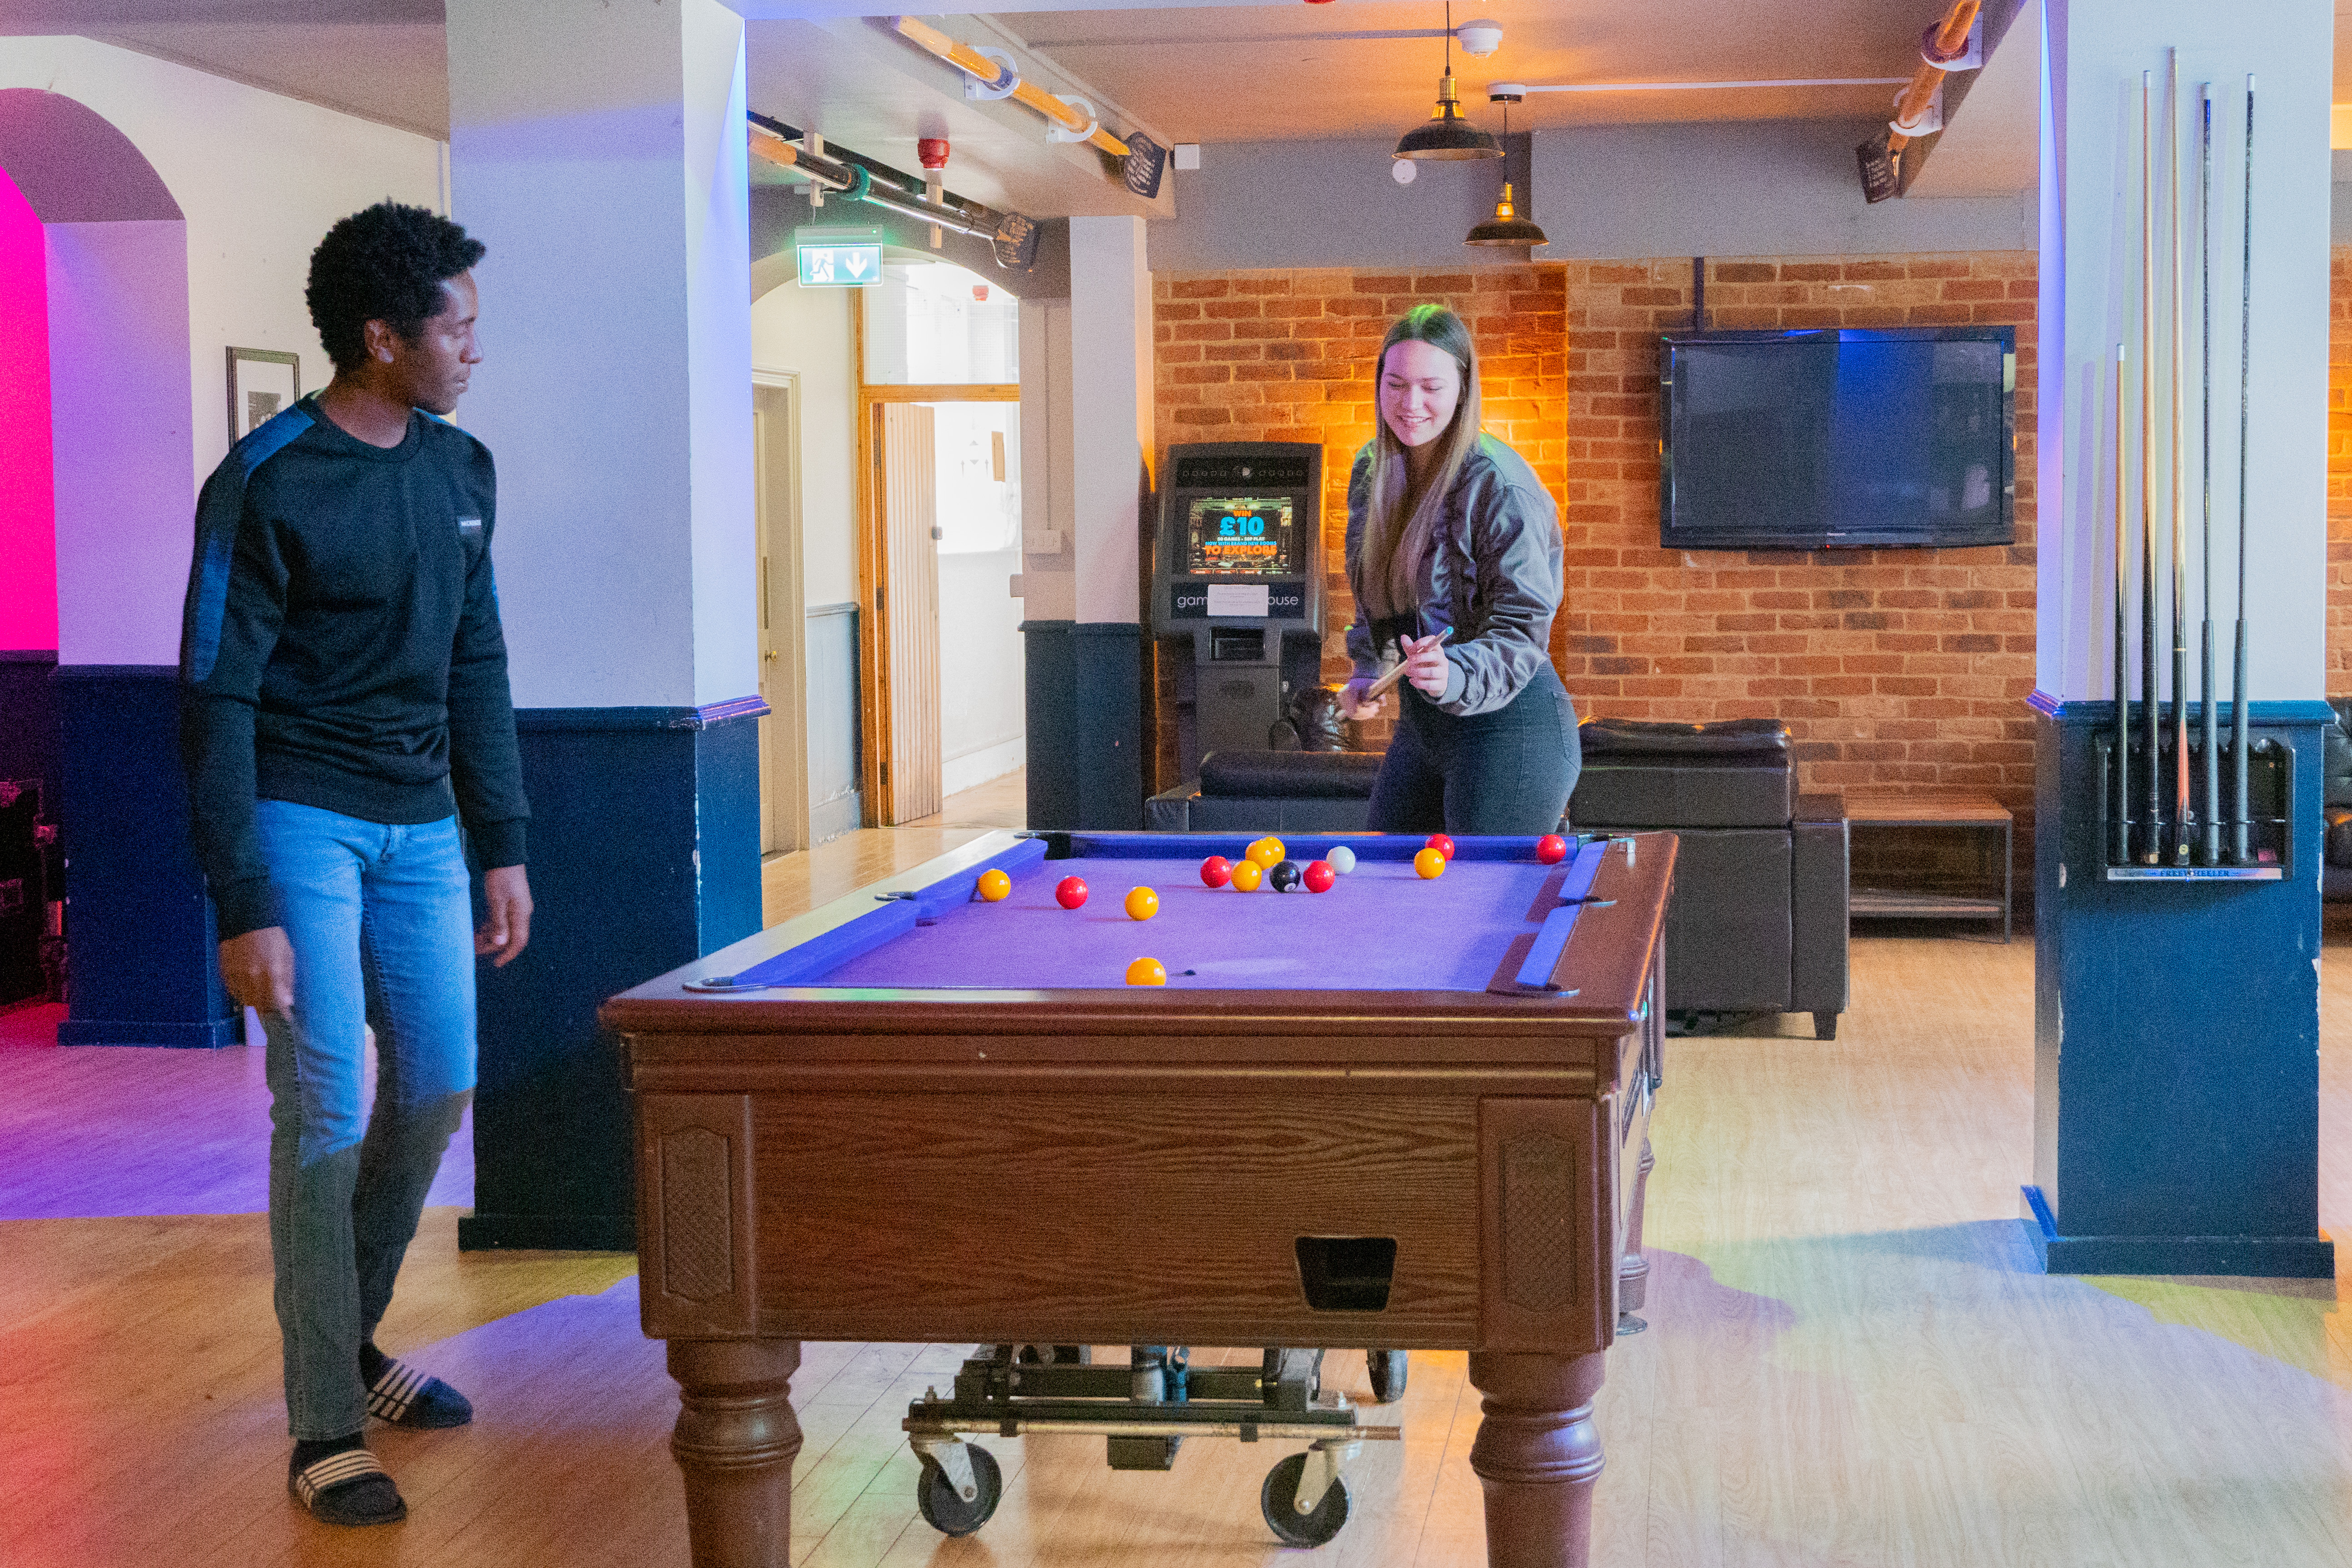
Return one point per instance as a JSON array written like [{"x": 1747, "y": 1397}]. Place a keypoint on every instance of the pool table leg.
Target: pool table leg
[
  {"x": 735, "y": 1441},
  {"x": 1537, "y": 1454},
  {"x": 1633, "y": 1271}
]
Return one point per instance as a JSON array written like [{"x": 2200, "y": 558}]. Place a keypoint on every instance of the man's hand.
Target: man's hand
[
  {"x": 507, "y": 929},
  {"x": 259, "y": 969}
]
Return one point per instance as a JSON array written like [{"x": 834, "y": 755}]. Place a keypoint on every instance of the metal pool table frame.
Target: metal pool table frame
[{"x": 816, "y": 1163}]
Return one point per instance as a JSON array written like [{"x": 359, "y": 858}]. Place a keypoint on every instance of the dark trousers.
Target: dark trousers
[{"x": 1509, "y": 772}]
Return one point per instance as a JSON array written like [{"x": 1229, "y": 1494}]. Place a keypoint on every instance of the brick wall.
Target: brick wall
[
  {"x": 1287, "y": 356},
  {"x": 1892, "y": 667},
  {"x": 2339, "y": 474}
]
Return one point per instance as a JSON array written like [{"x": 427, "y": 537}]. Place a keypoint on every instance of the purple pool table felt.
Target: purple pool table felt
[{"x": 1380, "y": 928}]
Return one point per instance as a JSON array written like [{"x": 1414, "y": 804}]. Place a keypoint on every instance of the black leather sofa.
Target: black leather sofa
[
  {"x": 1758, "y": 921},
  {"x": 2336, "y": 805},
  {"x": 1269, "y": 791}
]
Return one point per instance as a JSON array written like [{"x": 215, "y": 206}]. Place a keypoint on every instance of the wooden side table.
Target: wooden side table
[{"x": 1933, "y": 809}]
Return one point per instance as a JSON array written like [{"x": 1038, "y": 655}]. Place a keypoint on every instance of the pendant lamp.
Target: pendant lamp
[
  {"x": 1445, "y": 135},
  {"x": 1507, "y": 228}
]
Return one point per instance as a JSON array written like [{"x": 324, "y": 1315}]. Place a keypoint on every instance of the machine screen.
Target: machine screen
[{"x": 1239, "y": 536}]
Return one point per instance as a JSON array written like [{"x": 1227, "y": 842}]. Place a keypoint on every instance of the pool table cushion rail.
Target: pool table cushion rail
[
  {"x": 1614, "y": 939},
  {"x": 819, "y": 946}
]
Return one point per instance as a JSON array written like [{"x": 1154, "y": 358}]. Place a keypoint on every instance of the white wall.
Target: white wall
[
  {"x": 118, "y": 314},
  {"x": 259, "y": 178},
  {"x": 983, "y": 708},
  {"x": 604, "y": 167},
  {"x": 1724, "y": 188},
  {"x": 807, "y": 330}
]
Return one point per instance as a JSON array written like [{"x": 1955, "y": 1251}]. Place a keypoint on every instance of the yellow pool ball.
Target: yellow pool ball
[
  {"x": 1147, "y": 972},
  {"x": 995, "y": 887},
  {"x": 1268, "y": 853},
  {"x": 1247, "y": 875},
  {"x": 1431, "y": 864},
  {"x": 1142, "y": 904}
]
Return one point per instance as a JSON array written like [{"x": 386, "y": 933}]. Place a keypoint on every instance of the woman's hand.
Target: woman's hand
[
  {"x": 1352, "y": 705},
  {"x": 1425, "y": 666}
]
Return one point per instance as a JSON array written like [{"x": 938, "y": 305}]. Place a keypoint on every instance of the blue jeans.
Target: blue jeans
[{"x": 381, "y": 921}]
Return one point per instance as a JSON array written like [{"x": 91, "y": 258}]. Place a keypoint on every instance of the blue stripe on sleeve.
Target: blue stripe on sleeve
[{"x": 216, "y": 524}]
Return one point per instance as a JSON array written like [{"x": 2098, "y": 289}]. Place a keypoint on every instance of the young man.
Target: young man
[{"x": 343, "y": 709}]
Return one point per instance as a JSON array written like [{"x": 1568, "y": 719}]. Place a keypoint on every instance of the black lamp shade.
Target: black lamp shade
[
  {"x": 1445, "y": 135},
  {"x": 1507, "y": 231},
  {"x": 1507, "y": 228}
]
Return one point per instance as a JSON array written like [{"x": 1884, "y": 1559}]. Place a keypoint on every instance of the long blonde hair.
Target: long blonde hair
[{"x": 1395, "y": 545}]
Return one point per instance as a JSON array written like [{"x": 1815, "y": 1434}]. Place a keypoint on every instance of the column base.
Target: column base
[
  {"x": 2256, "y": 1257},
  {"x": 206, "y": 1035}
]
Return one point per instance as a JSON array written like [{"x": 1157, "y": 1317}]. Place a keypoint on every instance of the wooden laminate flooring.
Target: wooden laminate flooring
[{"x": 1850, "y": 1358}]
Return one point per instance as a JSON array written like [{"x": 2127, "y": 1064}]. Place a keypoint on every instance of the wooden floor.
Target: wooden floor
[{"x": 1849, "y": 1359}]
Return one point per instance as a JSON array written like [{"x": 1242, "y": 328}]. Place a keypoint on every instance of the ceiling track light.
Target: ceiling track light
[
  {"x": 1445, "y": 135},
  {"x": 1507, "y": 228}
]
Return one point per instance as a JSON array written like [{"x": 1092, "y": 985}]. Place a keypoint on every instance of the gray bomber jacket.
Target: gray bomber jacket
[{"x": 1494, "y": 577}]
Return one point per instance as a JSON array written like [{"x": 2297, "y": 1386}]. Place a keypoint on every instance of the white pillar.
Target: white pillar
[
  {"x": 2095, "y": 51},
  {"x": 600, "y": 154},
  {"x": 599, "y": 150},
  {"x": 1110, "y": 413}
]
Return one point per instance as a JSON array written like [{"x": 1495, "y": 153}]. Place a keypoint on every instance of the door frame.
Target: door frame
[
  {"x": 873, "y": 554},
  {"x": 783, "y": 616}
]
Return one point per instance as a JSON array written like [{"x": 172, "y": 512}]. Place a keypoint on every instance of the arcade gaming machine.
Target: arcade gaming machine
[{"x": 1239, "y": 575}]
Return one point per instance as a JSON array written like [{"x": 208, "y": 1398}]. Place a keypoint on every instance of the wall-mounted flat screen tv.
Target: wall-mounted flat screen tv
[{"x": 1823, "y": 440}]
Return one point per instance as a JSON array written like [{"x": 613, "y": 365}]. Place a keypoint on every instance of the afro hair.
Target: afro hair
[{"x": 385, "y": 264}]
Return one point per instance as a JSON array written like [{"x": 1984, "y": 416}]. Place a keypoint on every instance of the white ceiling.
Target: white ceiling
[
  {"x": 1259, "y": 73},
  {"x": 1193, "y": 70}
]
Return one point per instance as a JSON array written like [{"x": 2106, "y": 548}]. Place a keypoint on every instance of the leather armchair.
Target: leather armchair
[
  {"x": 1758, "y": 920},
  {"x": 1268, "y": 792},
  {"x": 2335, "y": 804}
]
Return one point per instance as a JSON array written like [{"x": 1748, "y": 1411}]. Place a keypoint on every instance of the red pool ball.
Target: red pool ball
[
  {"x": 1070, "y": 891},
  {"x": 1320, "y": 876},
  {"x": 1441, "y": 843},
  {"x": 1216, "y": 870},
  {"x": 1551, "y": 849}
]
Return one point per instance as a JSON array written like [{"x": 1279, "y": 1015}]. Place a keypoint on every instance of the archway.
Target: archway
[{"x": 113, "y": 274}]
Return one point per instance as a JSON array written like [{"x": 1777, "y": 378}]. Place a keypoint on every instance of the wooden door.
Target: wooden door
[
  {"x": 783, "y": 663},
  {"x": 907, "y": 615}
]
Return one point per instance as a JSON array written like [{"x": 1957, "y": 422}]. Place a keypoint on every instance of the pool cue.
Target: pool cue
[
  {"x": 1388, "y": 682},
  {"x": 2177, "y": 494},
  {"x": 2210, "y": 822},
  {"x": 2119, "y": 853},
  {"x": 2238, "y": 821},
  {"x": 2152, "y": 838}
]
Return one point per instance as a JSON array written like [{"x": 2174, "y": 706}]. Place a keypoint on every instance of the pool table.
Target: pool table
[{"x": 914, "y": 1115}]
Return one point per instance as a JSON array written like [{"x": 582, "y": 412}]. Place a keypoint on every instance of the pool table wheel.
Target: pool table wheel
[
  {"x": 1388, "y": 1370},
  {"x": 948, "y": 1512},
  {"x": 1279, "y": 1500}
]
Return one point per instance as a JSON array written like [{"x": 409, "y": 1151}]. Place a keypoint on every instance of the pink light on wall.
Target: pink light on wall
[{"x": 28, "y": 533}]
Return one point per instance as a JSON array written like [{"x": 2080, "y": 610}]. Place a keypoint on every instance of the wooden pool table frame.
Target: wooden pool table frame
[{"x": 815, "y": 1164}]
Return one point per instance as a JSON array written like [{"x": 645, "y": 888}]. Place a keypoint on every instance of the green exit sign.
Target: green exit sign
[{"x": 839, "y": 257}]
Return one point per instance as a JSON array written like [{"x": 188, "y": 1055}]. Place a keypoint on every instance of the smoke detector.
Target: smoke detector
[{"x": 1480, "y": 39}]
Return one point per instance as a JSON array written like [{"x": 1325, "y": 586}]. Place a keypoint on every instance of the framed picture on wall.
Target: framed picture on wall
[{"x": 262, "y": 384}]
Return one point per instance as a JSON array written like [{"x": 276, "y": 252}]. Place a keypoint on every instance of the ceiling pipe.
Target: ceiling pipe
[
  {"x": 989, "y": 73},
  {"x": 1516, "y": 87},
  {"x": 1010, "y": 237}
]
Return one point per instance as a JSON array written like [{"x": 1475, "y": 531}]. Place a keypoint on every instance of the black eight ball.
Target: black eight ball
[{"x": 1285, "y": 877}]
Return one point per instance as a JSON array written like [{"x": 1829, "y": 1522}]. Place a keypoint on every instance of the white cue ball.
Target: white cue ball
[{"x": 1341, "y": 858}]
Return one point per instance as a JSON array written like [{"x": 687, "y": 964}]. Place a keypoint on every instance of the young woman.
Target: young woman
[{"x": 1454, "y": 556}]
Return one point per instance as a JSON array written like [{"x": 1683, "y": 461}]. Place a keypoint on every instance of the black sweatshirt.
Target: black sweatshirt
[{"x": 340, "y": 646}]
